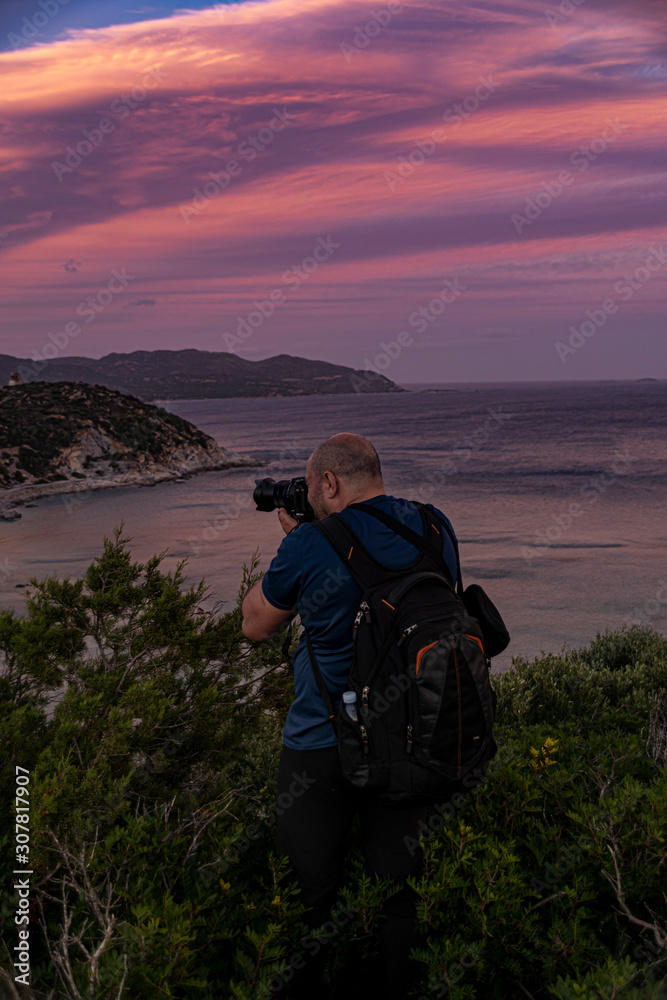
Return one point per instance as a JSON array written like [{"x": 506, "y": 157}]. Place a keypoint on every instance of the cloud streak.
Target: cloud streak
[{"x": 220, "y": 75}]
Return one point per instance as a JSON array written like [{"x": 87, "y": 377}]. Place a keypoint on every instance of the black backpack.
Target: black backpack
[{"x": 420, "y": 671}]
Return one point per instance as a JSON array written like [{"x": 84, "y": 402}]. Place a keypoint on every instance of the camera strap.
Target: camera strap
[
  {"x": 319, "y": 680},
  {"x": 287, "y": 641}
]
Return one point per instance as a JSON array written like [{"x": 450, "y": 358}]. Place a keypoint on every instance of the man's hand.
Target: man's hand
[{"x": 288, "y": 523}]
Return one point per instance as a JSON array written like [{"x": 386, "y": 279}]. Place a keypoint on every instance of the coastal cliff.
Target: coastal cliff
[{"x": 65, "y": 437}]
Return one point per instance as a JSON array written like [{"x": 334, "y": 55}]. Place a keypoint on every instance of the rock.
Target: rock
[{"x": 76, "y": 438}]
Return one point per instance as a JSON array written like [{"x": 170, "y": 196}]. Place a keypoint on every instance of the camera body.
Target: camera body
[{"x": 291, "y": 494}]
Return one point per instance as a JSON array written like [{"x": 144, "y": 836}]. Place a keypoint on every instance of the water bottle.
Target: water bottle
[{"x": 350, "y": 702}]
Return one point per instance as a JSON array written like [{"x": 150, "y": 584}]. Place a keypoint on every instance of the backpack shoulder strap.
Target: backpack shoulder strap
[
  {"x": 428, "y": 512},
  {"x": 426, "y": 543},
  {"x": 363, "y": 567}
]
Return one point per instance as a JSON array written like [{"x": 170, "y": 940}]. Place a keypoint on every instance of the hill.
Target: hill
[
  {"x": 192, "y": 374},
  {"x": 63, "y": 437}
]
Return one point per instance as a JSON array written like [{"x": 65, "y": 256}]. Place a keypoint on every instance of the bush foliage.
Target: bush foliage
[{"x": 152, "y": 729}]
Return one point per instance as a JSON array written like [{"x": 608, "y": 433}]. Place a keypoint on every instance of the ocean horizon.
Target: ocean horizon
[{"x": 555, "y": 490}]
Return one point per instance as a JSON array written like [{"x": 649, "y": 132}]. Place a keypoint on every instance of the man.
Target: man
[{"x": 308, "y": 577}]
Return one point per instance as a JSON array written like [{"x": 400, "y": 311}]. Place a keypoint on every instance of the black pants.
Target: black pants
[{"x": 316, "y": 809}]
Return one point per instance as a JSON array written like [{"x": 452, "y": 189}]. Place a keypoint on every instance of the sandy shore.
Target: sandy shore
[{"x": 16, "y": 496}]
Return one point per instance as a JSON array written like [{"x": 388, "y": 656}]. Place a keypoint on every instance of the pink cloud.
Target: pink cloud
[{"x": 326, "y": 130}]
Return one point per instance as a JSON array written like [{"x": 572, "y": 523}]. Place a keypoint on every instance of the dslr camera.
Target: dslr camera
[{"x": 292, "y": 494}]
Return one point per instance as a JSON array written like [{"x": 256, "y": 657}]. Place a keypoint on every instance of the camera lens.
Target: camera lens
[
  {"x": 288, "y": 493},
  {"x": 269, "y": 494},
  {"x": 263, "y": 494}
]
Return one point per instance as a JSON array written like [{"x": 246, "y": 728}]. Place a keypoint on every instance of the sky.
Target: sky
[{"x": 440, "y": 190}]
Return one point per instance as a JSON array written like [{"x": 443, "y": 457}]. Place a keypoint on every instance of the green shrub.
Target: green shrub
[{"x": 152, "y": 788}]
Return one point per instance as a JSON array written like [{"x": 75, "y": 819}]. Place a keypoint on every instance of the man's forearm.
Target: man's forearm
[{"x": 261, "y": 620}]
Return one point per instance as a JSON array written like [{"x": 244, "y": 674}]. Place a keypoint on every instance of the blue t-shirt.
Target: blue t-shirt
[{"x": 307, "y": 573}]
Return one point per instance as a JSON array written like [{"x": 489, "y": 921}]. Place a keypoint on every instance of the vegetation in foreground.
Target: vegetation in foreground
[{"x": 152, "y": 803}]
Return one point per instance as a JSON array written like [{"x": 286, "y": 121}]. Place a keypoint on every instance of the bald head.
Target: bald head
[
  {"x": 349, "y": 456},
  {"x": 343, "y": 469}
]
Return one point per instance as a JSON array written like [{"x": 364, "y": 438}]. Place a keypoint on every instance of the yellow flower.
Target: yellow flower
[
  {"x": 264, "y": 789},
  {"x": 542, "y": 758},
  {"x": 276, "y": 901},
  {"x": 225, "y": 885}
]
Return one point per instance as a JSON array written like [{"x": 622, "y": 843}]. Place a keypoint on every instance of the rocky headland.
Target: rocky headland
[{"x": 71, "y": 437}]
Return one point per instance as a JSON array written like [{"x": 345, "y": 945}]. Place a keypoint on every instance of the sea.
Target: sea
[{"x": 557, "y": 493}]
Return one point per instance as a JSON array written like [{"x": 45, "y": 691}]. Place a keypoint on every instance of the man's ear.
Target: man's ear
[{"x": 331, "y": 484}]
